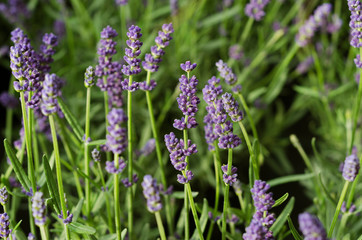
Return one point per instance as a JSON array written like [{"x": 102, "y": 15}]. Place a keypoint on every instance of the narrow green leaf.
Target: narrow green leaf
[
  {"x": 325, "y": 191},
  {"x": 281, "y": 200},
  {"x": 71, "y": 120},
  {"x": 181, "y": 194},
  {"x": 109, "y": 237},
  {"x": 90, "y": 179},
  {"x": 219, "y": 17},
  {"x": 81, "y": 228},
  {"x": 52, "y": 185},
  {"x": 293, "y": 230},
  {"x": 280, "y": 221},
  {"x": 17, "y": 225},
  {"x": 19, "y": 171},
  {"x": 307, "y": 91},
  {"x": 97, "y": 142},
  {"x": 203, "y": 219},
  {"x": 145, "y": 231},
  {"x": 290, "y": 178},
  {"x": 123, "y": 233},
  {"x": 77, "y": 209}
]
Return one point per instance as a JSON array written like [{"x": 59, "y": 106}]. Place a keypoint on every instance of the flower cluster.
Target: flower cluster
[
  {"x": 236, "y": 52},
  {"x": 4, "y": 225},
  {"x": 162, "y": 41},
  {"x": 50, "y": 41},
  {"x": 226, "y": 72},
  {"x": 355, "y": 22},
  {"x": 38, "y": 208},
  {"x": 259, "y": 227},
  {"x": 255, "y": 9},
  {"x": 314, "y": 22},
  {"x": 15, "y": 11},
  {"x": 3, "y": 196},
  {"x": 133, "y": 51},
  {"x": 311, "y": 227},
  {"x": 89, "y": 77},
  {"x": 217, "y": 125},
  {"x": 151, "y": 191},
  {"x": 50, "y": 92},
  {"x": 187, "y": 103},
  {"x": 229, "y": 179},
  {"x": 232, "y": 107},
  {"x": 117, "y": 135},
  {"x": 96, "y": 155},
  {"x": 8, "y": 100},
  {"x": 110, "y": 168},
  {"x": 66, "y": 220},
  {"x": 351, "y": 167},
  {"x": 127, "y": 183},
  {"x": 121, "y": 2},
  {"x": 107, "y": 70},
  {"x": 178, "y": 154},
  {"x": 305, "y": 65}
]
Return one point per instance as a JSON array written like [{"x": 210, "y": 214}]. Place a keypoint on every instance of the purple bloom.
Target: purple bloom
[
  {"x": 183, "y": 179},
  {"x": 96, "y": 155},
  {"x": 132, "y": 52},
  {"x": 237, "y": 89},
  {"x": 257, "y": 231},
  {"x": 311, "y": 227},
  {"x": 49, "y": 94},
  {"x": 89, "y": 77},
  {"x": 335, "y": 24},
  {"x": 59, "y": 28},
  {"x": 236, "y": 52},
  {"x": 229, "y": 179},
  {"x": 237, "y": 187},
  {"x": 350, "y": 210},
  {"x": 232, "y": 107},
  {"x": 263, "y": 201},
  {"x": 38, "y": 208},
  {"x": 226, "y": 72},
  {"x": 66, "y": 220},
  {"x": 255, "y": 9},
  {"x": 30, "y": 236},
  {"x": 3, "y": 196},
  {"x": 358, "y": 61},
  {"x": 351, "y": 167},
  {"x": 174, "y": 7},
  {"x": 121, "y": 2},
  {"x": 15, "y": 11},
  {"x": 4, "y": 225},
  {"x": 147, "y": 87},
  {"x": 110, "y": 167},
  {"x": 162, "y": 40},
  {"x": 8, "y": 101},
  {"x": 128, "y": 183},
  {"x": 47, "y": 51},
  {"x": 148, "y": 147},
  {"x": 187, "y": 66},
  {"x": 151, "y": 192},
  {"x": 117, "y": 135}
]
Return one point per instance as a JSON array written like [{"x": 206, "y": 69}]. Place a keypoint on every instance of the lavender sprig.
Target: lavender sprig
[
  {"x": 255, "y": 9},
  {"x": 38, "y": 208},
  {"x": 4, "y": 225},
  {"x": 311, "y": 227}
]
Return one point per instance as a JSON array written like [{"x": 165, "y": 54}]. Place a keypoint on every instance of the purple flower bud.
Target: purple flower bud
[
  {"x": 117, "y": 135},
  {"x": 128, "y": 183},
  {"x": 151, "y": 192},
  {"x": 121, "y": 2},
  {"x": 226, "y": 72},
  {"x": 111, "y": 168},
  {"x": 229, "y": 179},
  {"x": 257, "y": 231},
  {"x": 89, "y": 77},
  {"x": 38, "y": 208},
  {"x": 148, "y": 147},
  {"x": 132, "y": 52},
  {"x": 66, "y": 220},
  {"x": 30, "y": 236},
  {"x": 4, "y": 225},
  {"x": 185, "y": 179},
  {"x": 255, "y": 9},
  {"x": 8, "y": 101},
  {"x": 187, "y": 66},
  {"x": 311, "y": 227},
  {"x": 236, "y": 52},
  {"x": 305, "y": 65},
  {"x": 263, "y": 201},
  {"x": 3, "y": 196},
  {"x": 232, "y": 107},
  {"x": 96, "y": 155},
  {"x": 50, "y": 92},
  {"x": 351, "y": 167}
]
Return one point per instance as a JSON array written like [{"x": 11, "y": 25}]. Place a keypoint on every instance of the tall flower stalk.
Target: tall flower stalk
[
  {"x": 132, "y": 68},
  {"x": 151, "y": 65}
]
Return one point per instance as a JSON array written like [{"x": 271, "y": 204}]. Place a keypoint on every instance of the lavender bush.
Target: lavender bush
[{"x": 209, "y": 120}]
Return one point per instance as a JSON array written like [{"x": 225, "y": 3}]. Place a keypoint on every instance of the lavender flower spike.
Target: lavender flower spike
[
  {"x": 96, "y": 155},
  {"x": 351, "y": 167},
  {"x": 38, "y": 208},
  {"x": 117, "y": 135},
  {"x": 226, "y": 72},
  {"x": 255, "y": 9},
  {"x": 3, "y": 196},
  {"x": 133, "y": 51},
  {"x": 311, "y": 227},
  {"x": 49, "y": 94},
  {"x": 229, "y": 179},
  {"x": 263, "y": 201},
  {"x": 4, "y": 225},
  {"x": 151, "y": 191},
  {"x": 355, "y": 23},
  {"x": 89, "y": 77},
  {"x": 232, "y": 107},
  {"x": 187, "y": 66}
]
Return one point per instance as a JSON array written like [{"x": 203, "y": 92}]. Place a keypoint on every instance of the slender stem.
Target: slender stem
[
  {"x": 194, "y": 212},
  {"x": 59, "y": 173},
  {"x": 186, "y": 202},
  {"x": 108, "y": 206},
  {"x": 43, "y": 233},
  {"x": 86, "y": 155},
  {"x": 246, "y": 31},
  {"x": 116, "y": 198},
  {"x": 251, "y": 152},
  {"x": 122, "y": 14},
  {"x": 159, "y": 155},
  {"x": 29, "y": 150},
  {"x": 160, "y": 226},
  {"x": 356, "y": 108},
  {"x": 338, "y": 209},
  {"x": 226, "y": 195},
  {"x": 130, "y": 162},
  {"x": 31, "y": 218}
]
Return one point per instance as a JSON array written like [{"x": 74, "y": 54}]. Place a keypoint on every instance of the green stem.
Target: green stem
[
  {"x": 59, "y": 173},
  {"x": 116, "y": 198},
  {"x": 250, "y": 118},
  {"x": 251, "y": 152},
  {"x": 29, "y": 150},
  {"x": 122, "y": 14},
  {"x": 159, "y": 155},
  {"x": 160, "y": 226},
  {"x": 338, "y": 209},
  {"x": 194, "y": 212},
  {"x": 356, "y": 108},
  {"x": 246, "y": 31},
  {"x": 226, "y": 195},
  {"x": 86, "y": 155},
  {"x": 130, "y": 161},
  {"x": 186, "y": 202},
  {"x": 43, "y": 232},
  {"x": 108, "y": 206}
]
